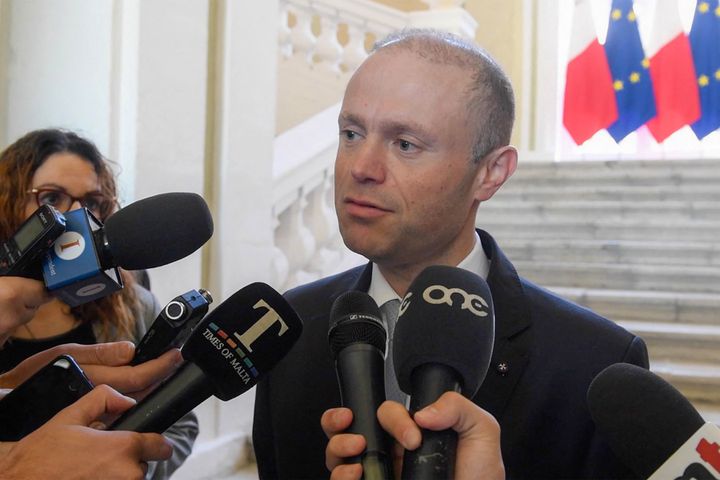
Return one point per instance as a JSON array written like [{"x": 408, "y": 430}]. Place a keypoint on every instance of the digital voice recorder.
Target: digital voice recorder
[
  {"x": 21, "y": 254},
  {"x": 173, "y": 325}
]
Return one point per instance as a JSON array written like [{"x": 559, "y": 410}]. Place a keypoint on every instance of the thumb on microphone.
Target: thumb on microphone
[
  {"x": 97, "y": 408},
  {"x": 68, "y": 447},
  {"x": 90, "y": 410},
  {"x": 478, "y": 448}
]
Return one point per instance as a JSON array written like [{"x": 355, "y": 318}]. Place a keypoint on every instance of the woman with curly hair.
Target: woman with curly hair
[{"x": 62, "y": 169}]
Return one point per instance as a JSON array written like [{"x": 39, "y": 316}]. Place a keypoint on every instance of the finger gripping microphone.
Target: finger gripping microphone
[
  {"x": 154, "y": 231},
  {"x": 357, "y": 340},
  {"x": 443, "y": 342},
  {"x": 226, "y": 355},
  {"x": 651, "y": 426}
]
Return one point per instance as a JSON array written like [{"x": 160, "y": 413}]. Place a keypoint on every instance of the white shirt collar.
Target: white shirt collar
[{"x": 476, "y": 262}]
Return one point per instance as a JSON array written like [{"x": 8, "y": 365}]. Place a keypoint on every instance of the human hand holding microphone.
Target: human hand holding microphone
[
  {"x": 237, "y": 343},
  {"x": 442, "y": 347}
]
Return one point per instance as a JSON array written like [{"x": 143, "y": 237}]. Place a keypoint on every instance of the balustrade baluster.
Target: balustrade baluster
[
  {"x": 354, "y": 52},
  {"x": 328, "y": 50},
  {"x": 303, "y": 39},
  {"x": 284, "y": 31}
]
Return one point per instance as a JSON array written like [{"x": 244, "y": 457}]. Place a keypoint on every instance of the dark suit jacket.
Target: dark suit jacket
[{"x": 547, "y": 350}]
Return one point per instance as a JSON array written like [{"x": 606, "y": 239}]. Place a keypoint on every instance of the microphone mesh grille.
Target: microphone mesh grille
[
  {"x": 355, "y": 318},
  {"x": 356, "y": 331}
]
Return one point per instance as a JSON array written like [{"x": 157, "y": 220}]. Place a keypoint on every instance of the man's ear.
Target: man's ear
[{"x": 497, "y": 167}]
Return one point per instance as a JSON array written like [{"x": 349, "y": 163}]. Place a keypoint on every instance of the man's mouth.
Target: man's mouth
[{"x": 364, "y": 208}]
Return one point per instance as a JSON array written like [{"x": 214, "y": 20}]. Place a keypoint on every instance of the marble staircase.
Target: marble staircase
[{"x": 636, "y": 241}]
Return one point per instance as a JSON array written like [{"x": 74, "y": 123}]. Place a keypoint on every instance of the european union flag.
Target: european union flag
[
  {"x": 705, "y": 45},
  {"x": 629, "y": 68}
]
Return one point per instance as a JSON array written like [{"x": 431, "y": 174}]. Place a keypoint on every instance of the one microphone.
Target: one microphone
[
  {"x": 154, "y": 231},
  {"x": 443, "y": 342},
  {"x": 357, "y": 340},
  {"x": 234, "y": 346},
  {"x": 651, "y": 426},
  {"x": 173, "y": 325}
]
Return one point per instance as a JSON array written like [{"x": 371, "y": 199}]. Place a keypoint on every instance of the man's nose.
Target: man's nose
[{"x": 369, "y": 162}]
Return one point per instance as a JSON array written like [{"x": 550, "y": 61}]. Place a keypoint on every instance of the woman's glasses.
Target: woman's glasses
[{"x": 96, "y": 202}]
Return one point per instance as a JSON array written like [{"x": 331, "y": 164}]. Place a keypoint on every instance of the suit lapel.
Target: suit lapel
[
  {"x": 512, "y": 322},
  {"x": 362, "y": 283}
]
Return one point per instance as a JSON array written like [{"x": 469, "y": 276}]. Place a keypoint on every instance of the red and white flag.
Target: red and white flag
[
  {"x": 590, "y": 102},
  {"x": 672, "y": 70}
]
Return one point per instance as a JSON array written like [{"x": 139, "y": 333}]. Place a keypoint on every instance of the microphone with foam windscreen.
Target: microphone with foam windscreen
[
  {"x": 226, "y": 355},
  {"x": 357, "y": 340},
  {"x": 154, "y": 231},
  {"x": 443, "y": 342},
  {"x": 651, "y": 426}
]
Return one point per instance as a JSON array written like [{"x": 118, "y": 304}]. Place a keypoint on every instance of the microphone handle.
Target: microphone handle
[
  {"x": 435, "y": 457},
  {"x": 176, "y": 396},
  {"x": 361, "y": 373}
]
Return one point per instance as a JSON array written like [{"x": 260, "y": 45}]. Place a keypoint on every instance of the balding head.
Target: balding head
[{"x": 490, "y": 99}]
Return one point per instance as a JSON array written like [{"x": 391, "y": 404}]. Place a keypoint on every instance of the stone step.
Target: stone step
[
  {"x": 635, "y": 241},
  {"x": 647, "y": 306},
  {"x": 677, "y": 342},
  {"x": 613, "y": 251},
  {"x": 655, "y": 229},
  {"x": 699, "y": 382},
  {"x": 623, "y": 277},
  {"x": 542, "y": 192},
  {"x": 625, "y": 173},
  {"x": 518, "y": 180},
  {"x": 598, "y": 168},
  {"x": 606, "y": 209}
]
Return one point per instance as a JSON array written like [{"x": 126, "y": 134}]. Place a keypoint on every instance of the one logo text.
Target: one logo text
[{"x": 439, "y": 294}]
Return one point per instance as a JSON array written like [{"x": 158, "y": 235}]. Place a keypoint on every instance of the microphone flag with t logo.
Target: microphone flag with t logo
[
  {"x": 72, "y": 268},
  {"x": 246, "y": 341},
  {"x": 237, "y": 343}
]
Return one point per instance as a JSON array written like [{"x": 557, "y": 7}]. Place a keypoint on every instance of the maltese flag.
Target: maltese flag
[
  {"x": 589, "y": 96},
  {"x": 673, "y": 73}
]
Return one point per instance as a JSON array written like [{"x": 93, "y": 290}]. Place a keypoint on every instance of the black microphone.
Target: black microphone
[
  {"x": 443, "y": 342},
  {"x": 229, "y": 351},
  {"x": 651, "y": 426},
  {"x": 357, "y": 340},
  {"x": 154, "y": 231}
]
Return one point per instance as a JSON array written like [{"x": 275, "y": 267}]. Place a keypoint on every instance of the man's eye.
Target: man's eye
[
  {"x": 406, "y": 146},
  {"x": 349, "y": 134}
]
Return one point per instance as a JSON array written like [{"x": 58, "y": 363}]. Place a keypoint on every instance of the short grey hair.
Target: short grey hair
[{"x": 491, "y": 104}]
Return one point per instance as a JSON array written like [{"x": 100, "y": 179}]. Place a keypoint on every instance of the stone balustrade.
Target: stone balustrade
[{"x": 360, "y": 21}]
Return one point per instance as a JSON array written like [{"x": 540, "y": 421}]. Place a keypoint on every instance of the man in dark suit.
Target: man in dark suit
[{"x": 424, "y": 139}]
